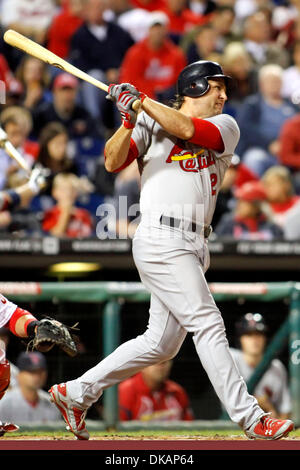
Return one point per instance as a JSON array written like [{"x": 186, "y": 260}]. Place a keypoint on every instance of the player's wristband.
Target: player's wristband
[
  {"x": 128, "y": 124},
  {"x": 128, "y": 119},
  {"x": 142, "y": 96}
]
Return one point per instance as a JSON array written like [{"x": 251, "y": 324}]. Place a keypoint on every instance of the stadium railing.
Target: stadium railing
[{"x": 114, "y": 294}]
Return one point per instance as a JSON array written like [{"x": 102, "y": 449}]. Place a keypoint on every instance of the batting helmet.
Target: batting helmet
[
  {"x": 249, "y": 323},
  {"x": 193, "y": 79}
]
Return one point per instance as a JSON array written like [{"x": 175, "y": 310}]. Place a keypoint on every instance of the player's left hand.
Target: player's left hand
[{"x": 50, "y": 333}]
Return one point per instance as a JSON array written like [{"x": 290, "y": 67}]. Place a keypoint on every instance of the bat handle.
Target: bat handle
[{"x": 136, "y": 105}]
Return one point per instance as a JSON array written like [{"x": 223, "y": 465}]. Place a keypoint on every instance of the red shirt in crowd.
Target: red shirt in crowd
[
  {"x": 152, "y": 70},
  {"x": 31, "y": 148},
  {"x": 289, "y": 154},
  {"x": 80, "y": 223},
  {"x": 184, "y": 21},
  {"x": 150, "y": 5},
  {"x": 8, "y": 78},
  {"x": 281, "y": 210},
  {"x": 61, "y": 31},
  {"x": 283, "y": 207},
  {"x": 138, "y": 402}
]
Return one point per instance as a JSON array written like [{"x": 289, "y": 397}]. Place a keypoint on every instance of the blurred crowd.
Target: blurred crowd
[{"x": 62, "y": 123}]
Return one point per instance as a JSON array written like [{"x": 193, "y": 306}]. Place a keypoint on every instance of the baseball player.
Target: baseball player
[
  {"x": 272, "y": 391},
  {"x": 19, "y": 321},
  {"x": 182, "y": 152}
]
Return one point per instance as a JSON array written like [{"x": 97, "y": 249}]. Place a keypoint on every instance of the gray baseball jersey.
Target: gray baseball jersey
[
  {"x": 176, "y": 174},
  {"x": 14, "y": 408},
  {"x": 273, "y": 383}
]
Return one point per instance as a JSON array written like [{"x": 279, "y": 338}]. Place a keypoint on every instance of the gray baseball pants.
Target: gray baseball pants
[{"x": 172, "y": 269}]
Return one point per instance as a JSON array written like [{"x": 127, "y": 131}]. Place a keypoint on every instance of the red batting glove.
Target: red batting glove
[{"x": 124, "y": 105}]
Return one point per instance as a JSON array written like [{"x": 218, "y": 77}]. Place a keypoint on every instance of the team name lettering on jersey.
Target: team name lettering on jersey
[{"x": 189, "y": 161}]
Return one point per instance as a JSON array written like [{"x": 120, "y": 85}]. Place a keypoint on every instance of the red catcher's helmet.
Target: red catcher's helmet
[{"x": 251, "y": 191}]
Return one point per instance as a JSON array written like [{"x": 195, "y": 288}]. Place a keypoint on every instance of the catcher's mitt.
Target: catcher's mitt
[{"x": 50, "y": 333}]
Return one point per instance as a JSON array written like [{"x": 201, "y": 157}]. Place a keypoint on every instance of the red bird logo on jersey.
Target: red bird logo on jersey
[{"x": 189, "y": 161}]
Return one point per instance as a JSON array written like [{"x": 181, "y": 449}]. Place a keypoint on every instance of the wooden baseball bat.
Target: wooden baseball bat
[
  {"x": 15, "y": 39},
  {"x": 12, "y": 152}
]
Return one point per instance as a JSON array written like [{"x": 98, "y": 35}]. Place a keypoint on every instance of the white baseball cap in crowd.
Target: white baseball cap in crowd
[{"x": 158, "y": 17}]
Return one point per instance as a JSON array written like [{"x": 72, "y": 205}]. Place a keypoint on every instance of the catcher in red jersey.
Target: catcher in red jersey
[{"x": 44, "y": 334}]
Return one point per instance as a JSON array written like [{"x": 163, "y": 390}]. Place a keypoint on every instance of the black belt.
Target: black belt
[{"x": 190, "y": 226}]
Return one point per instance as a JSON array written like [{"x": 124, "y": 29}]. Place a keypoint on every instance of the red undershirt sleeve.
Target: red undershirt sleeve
[
  {"x": 207, "y": 135},
  {"x": 133, "y": 153}
]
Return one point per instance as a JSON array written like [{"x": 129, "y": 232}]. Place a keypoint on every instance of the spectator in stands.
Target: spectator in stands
[
  {"x": 149, "y": 5},
  {"x": 17, "y": 123},
  {"x": 133, "y": 20},
  {"x": 222, "y": 20},
  {"x": 11, "y": 83},
  {"x": 202, "y": 7},
  {"x": 203, "y": 40},
  {"x": 35, "y": 79},
  {"x": 272, "y": 390},
  {"x": 236, "y": 175},
  {"x": 153, "y": 65},
  {"x": 150, "y": 395},
  {"x": 181, "y": 18},
  {"x": 250, "y": 219},
  {"x": 98, "y": 48},
  {"x": 127, "y": 196},
  {"x": 54, "y": 155},
  {"x": 237, "y": 64},
  {"x": 280, "y": 194},
  {"x": 289, "y": 154},
  {"x": 53, "y": 149},
  {"x": 64, "y": 109},
  {"x": 13, "y": 95},
  {"x": 291, "y": 77},
  {"x": 28, "y": 402},
  {"x": 257, "y": 34},
  {"x": 284, "y": 21},
  {"x": 260, "y": 118},
  {"x": 15, "y": 213},
  {"x": 63, "y": 27},
  {"x": 65, "y": 219},
  {"x": 103, "y": 181},
  {"x": 203, "y": 45},
  {"x": 245, "y": 8},
  {"x": 29, "y": 18}
]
